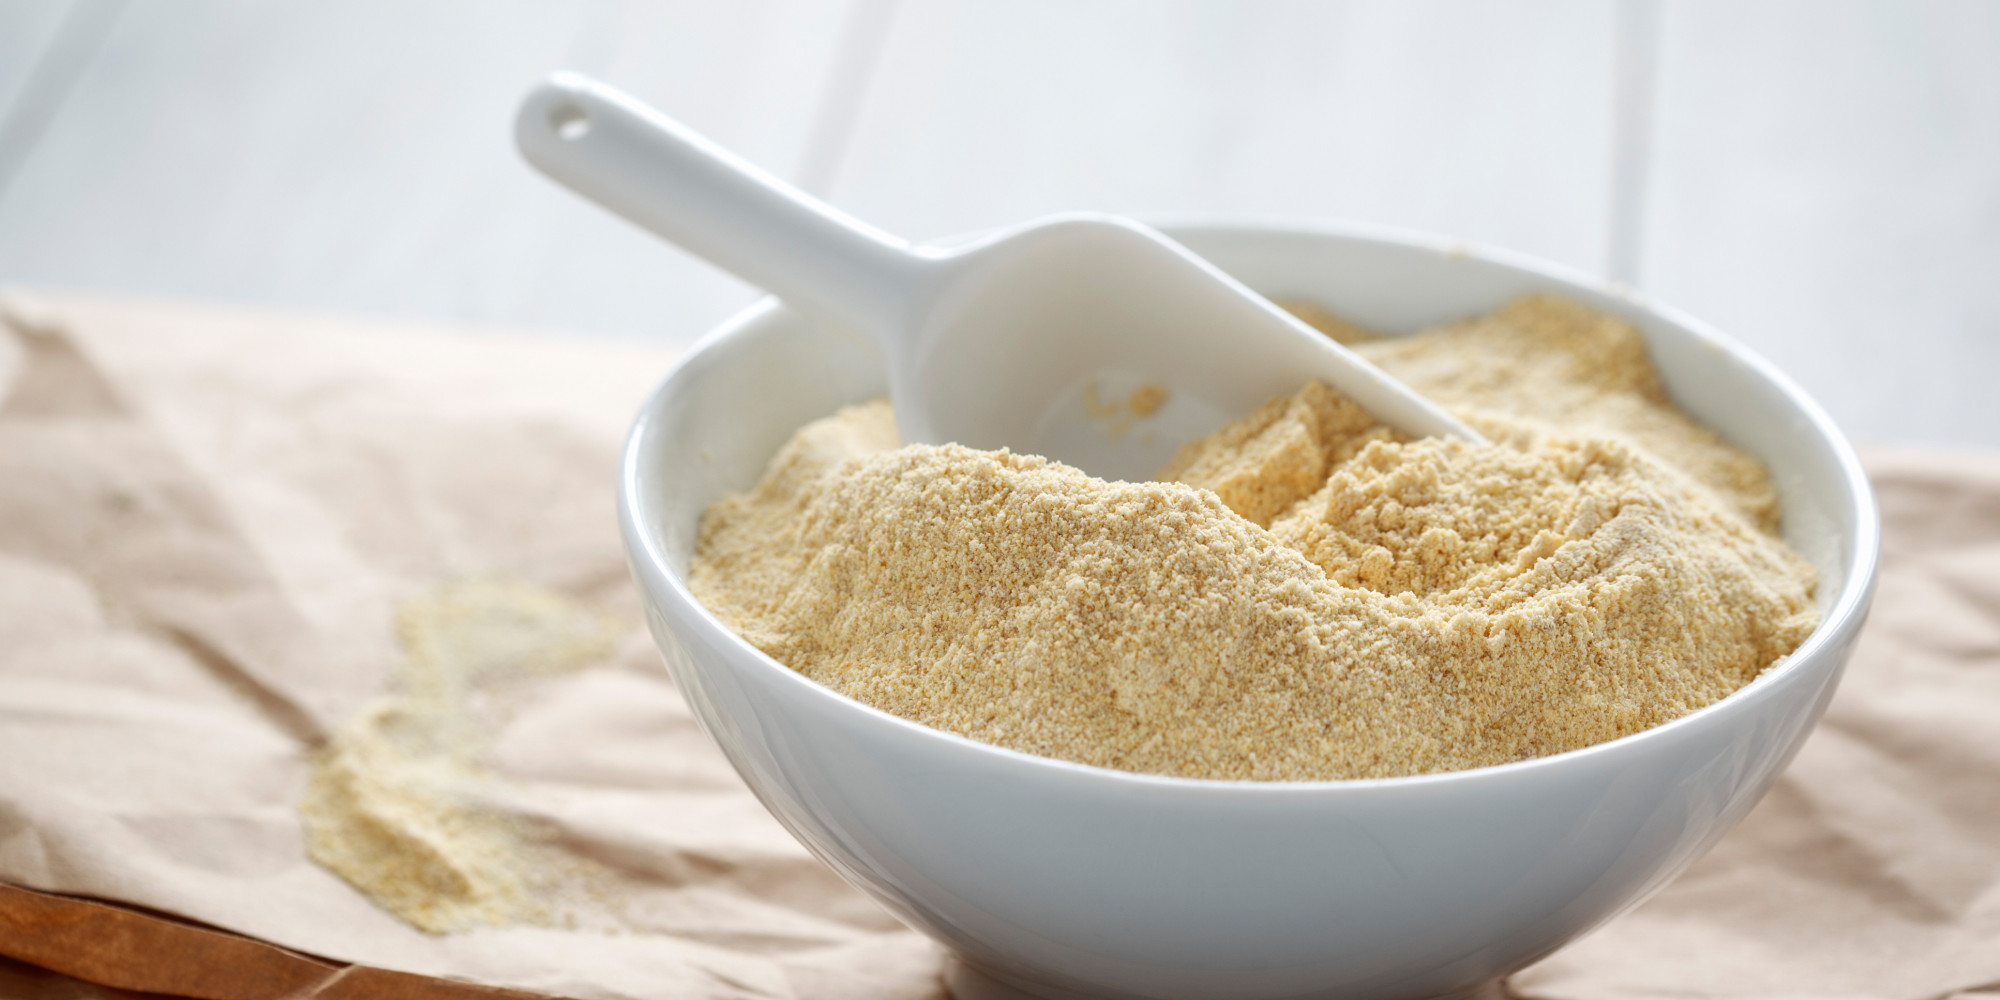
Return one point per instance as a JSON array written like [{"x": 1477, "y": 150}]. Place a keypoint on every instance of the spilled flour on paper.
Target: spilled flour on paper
[
  {"x": 399, "y": 802},
  {"x": 1310, "y": 595}
]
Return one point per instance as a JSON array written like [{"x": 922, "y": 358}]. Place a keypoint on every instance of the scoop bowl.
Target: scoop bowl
[
  {"x": 1052, "y": 879},
  {"x": 1013, "y": 339}
]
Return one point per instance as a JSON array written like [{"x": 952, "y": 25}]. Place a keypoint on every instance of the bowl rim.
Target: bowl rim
[{"x": 1845, "y": 616}]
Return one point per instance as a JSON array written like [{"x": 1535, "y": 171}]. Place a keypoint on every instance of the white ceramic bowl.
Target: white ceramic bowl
[{"x": 1059, "y": 879}]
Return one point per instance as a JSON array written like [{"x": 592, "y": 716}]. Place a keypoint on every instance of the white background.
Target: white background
[{"x": 1820, "y": 179}]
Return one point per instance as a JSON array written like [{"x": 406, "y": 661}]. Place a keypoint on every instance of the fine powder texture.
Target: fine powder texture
[
  {"x": 399, "y": 803},
  {"x": 1315, "y": 598}
]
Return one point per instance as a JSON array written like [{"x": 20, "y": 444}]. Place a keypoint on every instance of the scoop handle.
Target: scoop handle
[{"x": 629, "y": 158}]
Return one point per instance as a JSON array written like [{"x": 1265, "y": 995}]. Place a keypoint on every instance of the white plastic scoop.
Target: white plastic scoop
[{"x": 1055, "y": 337}]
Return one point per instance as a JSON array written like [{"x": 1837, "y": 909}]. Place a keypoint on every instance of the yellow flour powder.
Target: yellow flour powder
[
  {"x": 1316, "y": 598},
  {"x": 397, "y": 803}
]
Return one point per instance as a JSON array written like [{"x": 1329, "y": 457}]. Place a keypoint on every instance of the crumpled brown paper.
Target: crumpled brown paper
[
  {"x": 208, "y": 518},
  {"x": 206, "y": 524}
]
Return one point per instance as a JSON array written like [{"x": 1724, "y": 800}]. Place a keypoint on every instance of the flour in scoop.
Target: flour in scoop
[{"x": 1310, "y": 596}]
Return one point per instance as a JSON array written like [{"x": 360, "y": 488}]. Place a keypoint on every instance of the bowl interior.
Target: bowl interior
[
  {"x": 744, "y": 389},
  {"x": 1400, "y": 285}
]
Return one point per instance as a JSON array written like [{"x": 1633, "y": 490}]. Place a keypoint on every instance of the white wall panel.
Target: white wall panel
[
  {"x": 1826, "y": 186},
  {"x": 358, "y": 156},
  {"x": 1488, "y": 121}
]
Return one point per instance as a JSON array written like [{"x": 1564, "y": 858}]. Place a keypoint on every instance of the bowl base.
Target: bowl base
[{"x": 965, "y": 982}]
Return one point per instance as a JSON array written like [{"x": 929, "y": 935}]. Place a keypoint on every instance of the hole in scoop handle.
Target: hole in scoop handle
[{"x": 654, "y": 171}]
